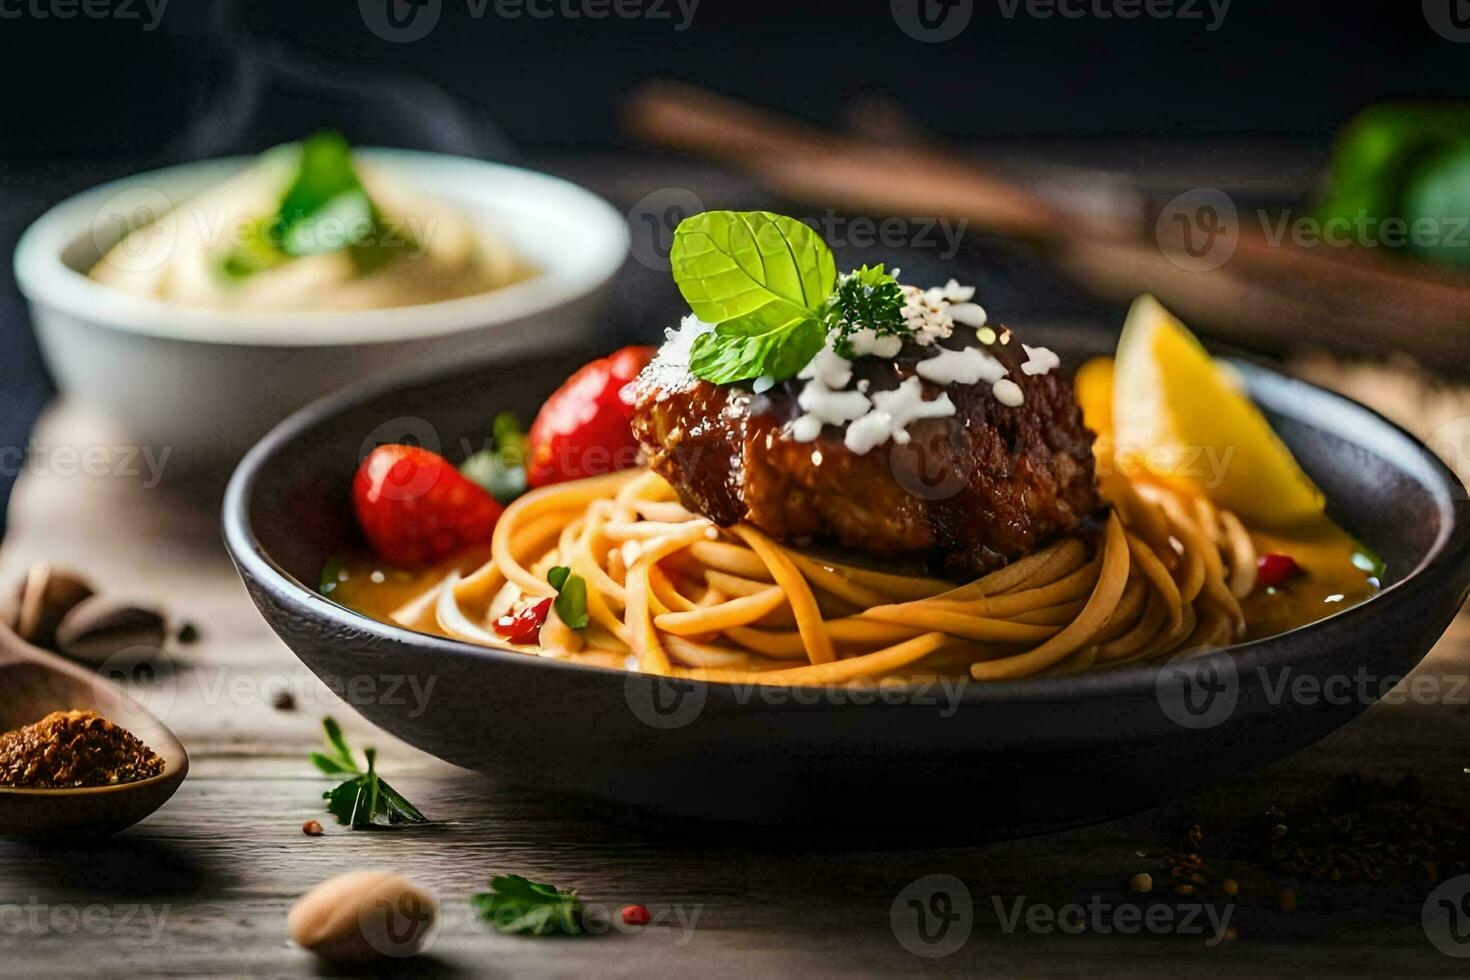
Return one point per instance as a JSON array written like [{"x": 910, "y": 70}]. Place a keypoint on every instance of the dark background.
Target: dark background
[{"x": 88, "y": 99}]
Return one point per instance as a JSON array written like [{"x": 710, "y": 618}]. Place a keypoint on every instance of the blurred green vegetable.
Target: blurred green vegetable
[{"x": 1408, "y": 163}]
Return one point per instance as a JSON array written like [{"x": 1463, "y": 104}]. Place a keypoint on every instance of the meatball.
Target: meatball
[{"x": 966, "y": 494}]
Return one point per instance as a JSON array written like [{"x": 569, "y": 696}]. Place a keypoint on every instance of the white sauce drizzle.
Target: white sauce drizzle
[
  {"x": 966, "y": 367},
  {"x": 1039, "y": 360},
  {"x": 1007, "y": 392}
]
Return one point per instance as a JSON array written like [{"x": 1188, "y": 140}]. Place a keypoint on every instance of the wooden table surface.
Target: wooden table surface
[{"x": 203, "y": 886}]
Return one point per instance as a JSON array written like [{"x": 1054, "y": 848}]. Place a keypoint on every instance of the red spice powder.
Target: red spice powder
[{"x": 73, "y": 749}]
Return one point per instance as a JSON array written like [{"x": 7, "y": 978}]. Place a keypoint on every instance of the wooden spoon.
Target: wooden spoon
[{"x": 34, "y": 683}]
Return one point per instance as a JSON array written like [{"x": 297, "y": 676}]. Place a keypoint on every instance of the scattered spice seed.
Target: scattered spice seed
[
  {"x": 1368, "y": 831},
  {"x": 1287, "y": 898},
  {"x": 282, "y": 699},
  {"x": 188, "y": 633},
  {"x": 636, "y": 915},
  {"x": 1231, "y": 934},
  {"x": 312, "y": 828},
  {"x": 1142, "y": 882},
  {"x": 1230, "y": 887}
]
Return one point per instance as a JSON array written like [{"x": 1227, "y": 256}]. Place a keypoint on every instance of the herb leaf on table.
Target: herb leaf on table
[
  {"x": 516, "y": 905},
  {"x": 360, "y": 800}
]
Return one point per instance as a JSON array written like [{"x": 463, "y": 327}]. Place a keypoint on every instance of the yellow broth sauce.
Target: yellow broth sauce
[{"x": 1336, "y": 572}]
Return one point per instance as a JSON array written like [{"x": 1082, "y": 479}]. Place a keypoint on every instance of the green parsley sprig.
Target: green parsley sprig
[
  {"x": 365, "y": 796},
  {"x": 866, "y": 298},
  {"x": 515, "y": 905}
]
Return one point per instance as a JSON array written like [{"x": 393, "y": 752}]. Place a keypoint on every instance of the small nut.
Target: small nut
[
  {"x": 312, "y": 828},
  {"x": 46, "y": 596},
  {"x": 99, "y": 628},
  {"x": 363, "y": 915},
  {"x": 1142, "y": 883}
]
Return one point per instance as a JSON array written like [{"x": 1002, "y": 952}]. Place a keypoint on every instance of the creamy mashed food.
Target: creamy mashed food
[{"x": 425, "y": 251}]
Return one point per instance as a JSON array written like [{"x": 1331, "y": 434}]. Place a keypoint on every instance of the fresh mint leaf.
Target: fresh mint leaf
[
  {"x": 763, "y": 280},
  {"x": 866, "y": 298},
  {"x": 722, "y": 357},
  {"x": 571, "y": 597},
  {"x": 359, "y": 801},
  {"x": 501, "y": 467},
  {"x": 515, "y": 905}
]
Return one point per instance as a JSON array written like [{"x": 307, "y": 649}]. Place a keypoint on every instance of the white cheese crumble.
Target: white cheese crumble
[
  {"x": 1039, "y": 360},
  {"x": 966, "y": 367},
  {"x": 1007, "y": 392},
  {"x": 679, "y": 344}
]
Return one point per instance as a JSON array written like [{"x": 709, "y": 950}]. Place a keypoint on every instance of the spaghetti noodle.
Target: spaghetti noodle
[{"x": 669, "y": 592}]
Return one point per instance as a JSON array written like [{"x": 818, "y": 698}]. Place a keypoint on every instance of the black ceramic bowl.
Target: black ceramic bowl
[{"x": 991, "y": 760}]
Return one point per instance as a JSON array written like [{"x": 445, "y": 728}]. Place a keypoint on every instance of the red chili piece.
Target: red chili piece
[
  {"x": 524, "y": 626},
  {"x": 1273, "y": 569}
]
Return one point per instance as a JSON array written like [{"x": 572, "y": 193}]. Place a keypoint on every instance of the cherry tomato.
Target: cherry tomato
[
  {"x": 416, "y": 508},
  {"x": 636, "y": 915},
  {"x": 585, "y": 428}
]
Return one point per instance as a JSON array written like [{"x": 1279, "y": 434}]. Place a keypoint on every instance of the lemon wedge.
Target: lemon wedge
[{"x": 1179, "y": 417}]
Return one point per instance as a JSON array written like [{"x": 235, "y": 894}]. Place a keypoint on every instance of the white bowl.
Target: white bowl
[{"x": 205, "y": 384}]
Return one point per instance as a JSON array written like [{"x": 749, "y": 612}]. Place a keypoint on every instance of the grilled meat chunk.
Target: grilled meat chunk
[{"x": 967, "y": 493}]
